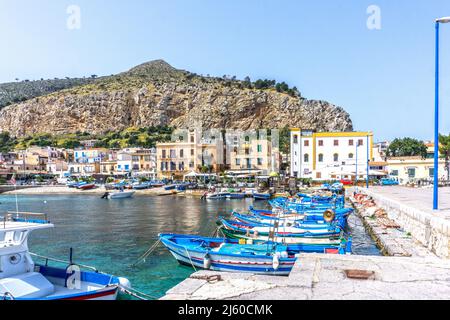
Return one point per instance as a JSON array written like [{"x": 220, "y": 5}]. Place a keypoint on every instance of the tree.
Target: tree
[
  {"x": 285, "y": 140},
  {"x": 407, "y": 147},
  {"x": 444, "y": 149}
]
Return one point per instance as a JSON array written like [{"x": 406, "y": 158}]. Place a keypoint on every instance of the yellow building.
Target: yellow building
[
  {"x": 412, "y": 169},
  {"x": 188, "y": 152},
  {"x": 253, "y": 154}
]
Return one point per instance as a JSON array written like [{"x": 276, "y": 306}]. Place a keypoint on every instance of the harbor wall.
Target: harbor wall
[{"x": 432, "y": 230}]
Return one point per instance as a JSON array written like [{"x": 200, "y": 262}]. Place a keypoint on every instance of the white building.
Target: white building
[{"x": 330, "y": 155}]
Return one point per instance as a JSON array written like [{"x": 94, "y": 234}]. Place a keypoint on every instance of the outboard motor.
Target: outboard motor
[{"x": 105, "y": 196}]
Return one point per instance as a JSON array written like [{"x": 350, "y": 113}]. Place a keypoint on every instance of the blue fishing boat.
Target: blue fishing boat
[
  {"x": 236, "y": 195},
  {"x": 300, "y": 223},
  {"x": 22, "y": 279},
  {"x": 330, "y": 231},
  {"x": 220, "y": 254},
  {"x": 261, "y": 196}
]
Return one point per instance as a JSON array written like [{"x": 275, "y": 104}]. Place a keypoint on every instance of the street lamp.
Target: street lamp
[{"x": 436, "y": 119}]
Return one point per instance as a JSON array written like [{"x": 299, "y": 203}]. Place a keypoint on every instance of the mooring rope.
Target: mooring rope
[
  {"x": 147, "y": 253},
  {"x": 195, "y": 269},
  {"x": 136, "y": 293}
]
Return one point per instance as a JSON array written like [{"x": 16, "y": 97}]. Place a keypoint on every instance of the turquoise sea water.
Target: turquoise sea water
[{"x": 112, "y": 234}]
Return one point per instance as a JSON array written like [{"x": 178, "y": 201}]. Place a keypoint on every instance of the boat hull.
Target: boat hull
[{"x": 258, "y": 264}]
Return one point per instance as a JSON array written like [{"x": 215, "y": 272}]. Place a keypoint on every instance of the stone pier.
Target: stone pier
[
  {"x": 320, "y": 276},
  {"x": 411, "y": 209}
]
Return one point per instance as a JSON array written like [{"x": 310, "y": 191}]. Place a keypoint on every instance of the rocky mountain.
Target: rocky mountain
[
  {"x": 155, "y": 93},
  {"x": 14, "y": 92}
]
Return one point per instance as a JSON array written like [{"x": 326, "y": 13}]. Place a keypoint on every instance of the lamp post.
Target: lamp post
[
  {"x": 436, "y": 119},
  {"x": 368, "y": 163}
]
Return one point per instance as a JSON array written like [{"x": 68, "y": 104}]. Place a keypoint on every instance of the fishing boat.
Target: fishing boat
[
  {"x": 236, "y": 195},
  {"x": 86, "y": 186},
  {"x": 327, "y": 231},
  {"x": 141, "y": 186},
  {"x": 22, "y": 279},
  {"x": 220, "y": 254},
  {"x": 217, "y": 195},
  {"x": 261, "y": 195},
  {"x": 118, "y": 195}
]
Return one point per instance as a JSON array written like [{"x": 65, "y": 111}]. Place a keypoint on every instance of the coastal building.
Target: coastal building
[
  {"x": 414, "y": 169},
  {"x": 330, "y": 155},
  {"x": 91, "y": 155},
  {"x": 252, "y": 153},
  {"x": 57, "y": 166},
  {"x": 189, "y": 152},
  {"x": 84, "y": 169},
  {"x": 108, "y": 167},
  {"x": 137, "y": 161}
]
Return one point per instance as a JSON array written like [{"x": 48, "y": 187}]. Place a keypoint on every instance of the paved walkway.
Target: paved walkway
[
  {"x": 419, "y": 198},
  {"x": 318, "y": 276}
]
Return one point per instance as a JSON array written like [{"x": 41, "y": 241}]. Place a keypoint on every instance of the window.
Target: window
[
  {"x": 394, "y": 173},
  {"x": 350, "y": 142},
  {"x": 320, "y": 143},
  {"x": 247, "y": 151},
  {"x": 259, "y": 148},
  {"x": 249, "y": 163},
  {"x": 260, "y": 161},
  {"x": 306, "y": 143},
  {"x": 181, "y": 166},
  {"x": 192, "y": 138},
  {"x": 191, "y": 164},
  {"x": 192, "y": 152},
  {"x": 247, "y": 139},
  {"x": 335, "y": 157},
  {"x": 320, "y": 157},
  {"x": 173, "y": 153},
  {"x": 431, "y": 172},
  {"x": 238, "y": 162},
  {"x": 411, "y": 172},
  {"x": 173, "y": 166},
  {"x": 295, "y": 139},
  {"x": 306, "y": 158},
  {"x": 318, "y": 175},
  {"x": 336, "y": 143},
  {"x": 350, "y": 155},
  {"x": 181, "y": 153},
  {"x": 163, "y": 154},
  {"x": 360, "y": 142},
  {"x": 235, "y": 149}
]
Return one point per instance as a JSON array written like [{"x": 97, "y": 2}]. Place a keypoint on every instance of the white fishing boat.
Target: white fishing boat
[
  {"x": 118, "y": 195},
  {"x": 217, "y": 195},
  {"x": 22, "y": 279}
]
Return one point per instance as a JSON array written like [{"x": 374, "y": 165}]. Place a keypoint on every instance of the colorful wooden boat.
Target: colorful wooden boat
[
  {"x": 220, "y": 254},
  {"x": 86, "y": 186},
  {"x": 327, "y": 232},
  {"x": 22, "y": 279},
  {"x": 261, "y": 196}
]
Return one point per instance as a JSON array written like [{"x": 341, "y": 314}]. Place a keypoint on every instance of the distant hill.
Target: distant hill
[
  {"x": 14, "y": 92},
  {"x": 157, "y": 94}
]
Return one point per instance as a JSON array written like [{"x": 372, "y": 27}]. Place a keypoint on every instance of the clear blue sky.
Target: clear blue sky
[{"x": 383, "y": 78}]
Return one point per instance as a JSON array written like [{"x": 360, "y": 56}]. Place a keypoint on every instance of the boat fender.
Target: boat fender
[
  {"x": 124, "y": 282},
  {"x": 206, "y": 262},
  {"x": 276, "y": 262},
  {"x": 329, "y": 215}
]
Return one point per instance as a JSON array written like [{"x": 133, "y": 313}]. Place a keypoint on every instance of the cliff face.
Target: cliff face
[{"x": 157, "y": 94}]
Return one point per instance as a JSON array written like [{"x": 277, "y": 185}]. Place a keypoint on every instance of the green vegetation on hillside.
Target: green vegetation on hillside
[
  {"x": 15, "y": 92},
  {"x": 130, "y": 137}
]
